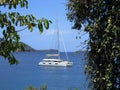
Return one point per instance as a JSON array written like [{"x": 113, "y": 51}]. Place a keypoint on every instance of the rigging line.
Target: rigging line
[{"x": 64, "y": 46}]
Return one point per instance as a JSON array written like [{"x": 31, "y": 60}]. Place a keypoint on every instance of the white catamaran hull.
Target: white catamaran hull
[{"x": 55, "y": 63}]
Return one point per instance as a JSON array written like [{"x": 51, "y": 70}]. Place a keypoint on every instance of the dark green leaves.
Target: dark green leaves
[
  {"x": 29, "y": 20},
  {"x": 12, "y": 60},
  {"x": 43, "y": 22},
  {"x": 40, "y": 26},
  {"x": 102, "y": 21},
  {"x": 10, "y": 44},
  {"x": 46, "y": 24},
  {"x": 9, "y": 24},
  {"x": 14, "y": 3}
]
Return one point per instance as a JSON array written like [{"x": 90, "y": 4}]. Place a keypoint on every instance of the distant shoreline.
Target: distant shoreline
[{"x": 28, "y": 48}]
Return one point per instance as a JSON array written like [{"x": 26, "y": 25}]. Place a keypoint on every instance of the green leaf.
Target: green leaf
[
  {"x": 12, "y": 60},
  {"x": 26, "y": 4},
  {"x": 3, "y": 32},
  {"x": 99, "y": 50},
  {"x": 50, "y": 21},
  {"x": 109, "y": 84},
  {"x": 2, "y": 25},
  {"x": 46, "y": 24},
  {"x": 10, "y": 6},
  {"x": 30, "y": 27},
  {"x": 40, "y": 26},
  {"x": 14, "y": 6}
]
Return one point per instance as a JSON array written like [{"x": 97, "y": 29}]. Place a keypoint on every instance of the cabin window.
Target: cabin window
[
  {"x": 56, "y": 63},
  {"x": 49, "y": 63},
  {"x": 43, "y": 63}
]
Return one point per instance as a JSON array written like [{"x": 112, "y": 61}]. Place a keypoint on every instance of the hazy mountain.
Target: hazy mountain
[{"x": 27, "y": 47}]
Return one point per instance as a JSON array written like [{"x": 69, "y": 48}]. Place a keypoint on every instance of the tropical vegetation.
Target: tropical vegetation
[
  {"x": 9, "y": 24},
  {"x": 101, "y": 19}
]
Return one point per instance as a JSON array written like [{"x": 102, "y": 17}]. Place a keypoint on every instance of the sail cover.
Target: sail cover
[{"x": 52, "y": 55}]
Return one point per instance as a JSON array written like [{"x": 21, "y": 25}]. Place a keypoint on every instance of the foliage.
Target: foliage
[
  {"x": 43, "y": 87},
  {"x": 9, "y": 21},
  {"x": 31, "y": 88},
  {"x": 103, "y": 25}
]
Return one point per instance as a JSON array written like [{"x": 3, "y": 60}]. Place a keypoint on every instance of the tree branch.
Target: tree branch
[{"x": 22, "y": 29}]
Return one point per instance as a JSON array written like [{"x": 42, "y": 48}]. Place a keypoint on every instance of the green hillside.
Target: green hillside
[{"x": 27, "y": 47}]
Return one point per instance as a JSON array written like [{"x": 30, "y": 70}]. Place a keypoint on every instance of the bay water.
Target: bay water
[{"x": 28, "y": 73}]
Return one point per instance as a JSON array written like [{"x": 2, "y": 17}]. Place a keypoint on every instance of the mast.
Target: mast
[{"x": 58, "y": 39}]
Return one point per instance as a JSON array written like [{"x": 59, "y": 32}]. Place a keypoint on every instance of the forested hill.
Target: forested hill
[{"x": 27, "y": 47}]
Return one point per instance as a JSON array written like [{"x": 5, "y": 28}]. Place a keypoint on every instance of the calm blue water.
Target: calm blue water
[{"x": 28, "y": 73}]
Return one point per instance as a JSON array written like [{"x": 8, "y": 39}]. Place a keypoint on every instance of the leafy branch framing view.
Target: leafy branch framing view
[
  {"x": 101, "y": 19},
  {"x": 9, "y": 21}
]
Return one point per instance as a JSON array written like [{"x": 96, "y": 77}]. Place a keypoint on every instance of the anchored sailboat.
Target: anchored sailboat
[{"x": 54, "y": 59}]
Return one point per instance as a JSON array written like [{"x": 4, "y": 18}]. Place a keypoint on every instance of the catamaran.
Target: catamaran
[
  {"x": 49, "y": 61},
  {"x": 54, "y": 59}
]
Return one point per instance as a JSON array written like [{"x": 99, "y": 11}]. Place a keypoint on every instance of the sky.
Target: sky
[{"x": 52, "y": 10}]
